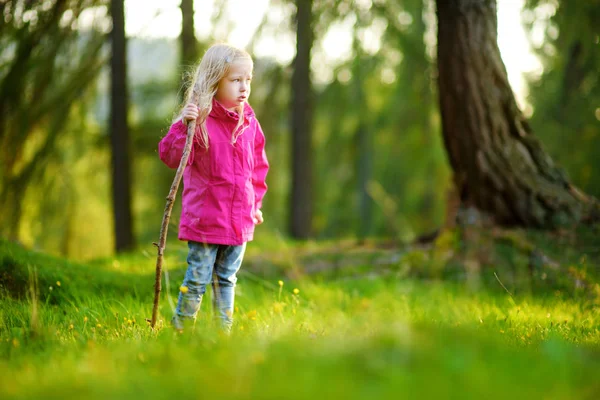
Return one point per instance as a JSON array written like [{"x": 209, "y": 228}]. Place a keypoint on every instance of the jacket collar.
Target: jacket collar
[{"x": 220, "y": 112}]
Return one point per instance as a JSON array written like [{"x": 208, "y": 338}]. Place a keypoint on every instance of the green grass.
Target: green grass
[{"x": 394, "y": 332}]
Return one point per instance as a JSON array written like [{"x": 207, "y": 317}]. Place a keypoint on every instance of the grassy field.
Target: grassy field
[{"x": 374, "y": 322}]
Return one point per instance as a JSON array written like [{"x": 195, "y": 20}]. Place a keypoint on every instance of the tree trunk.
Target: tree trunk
[
  {"x": 119, "y": 133},
  {"x": 11, "y": 200},
  {"x": 302, "y": 101},
  {"x": 189, "y": 48},
  {"x": 573, "y": 76},
  {"x": 499, "y": 166},
  {"x": 364, "y": 144}
]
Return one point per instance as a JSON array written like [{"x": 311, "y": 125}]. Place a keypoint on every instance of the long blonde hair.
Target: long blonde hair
[{"x": 205, "y": 81}]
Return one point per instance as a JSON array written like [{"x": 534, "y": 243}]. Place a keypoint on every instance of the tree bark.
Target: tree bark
[
  {"x": 301, "y": 125},
  {"x": 499, "y": 166},
  {"x": 119, "y": 133}
]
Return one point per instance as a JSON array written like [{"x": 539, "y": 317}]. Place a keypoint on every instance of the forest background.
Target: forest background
[{"x": 379, "y": 167}]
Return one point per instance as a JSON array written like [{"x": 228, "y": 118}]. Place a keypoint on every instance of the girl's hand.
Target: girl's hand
[
  {"x": 189, "y": 113},
  {"x": 258, "y": 218}
]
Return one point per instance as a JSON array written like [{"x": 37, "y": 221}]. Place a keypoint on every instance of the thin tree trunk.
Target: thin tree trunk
[
  {"x": 189, "y": 47},
  {"x": 364, "y": 171},
  {"x": 302, "y": 104},
  {"x": 119, "y": 133},
  {"x": 12, "y": 201},
  {"x": 499, "y": 166},
  {"x": 364, "y": 145},
  {"x": 573, "y": 74},
  {"x": 423, "y": 64}
]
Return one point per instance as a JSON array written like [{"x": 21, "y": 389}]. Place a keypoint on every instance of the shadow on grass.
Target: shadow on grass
[
  {"x": 518, "y": 262},
  {"x": 58, "y": 279}
]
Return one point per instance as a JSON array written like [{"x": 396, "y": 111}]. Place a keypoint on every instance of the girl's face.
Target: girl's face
[{"x": 234, "y": 87}]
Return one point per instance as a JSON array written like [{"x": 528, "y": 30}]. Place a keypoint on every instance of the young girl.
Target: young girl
[{"x": 224, "y": 180}]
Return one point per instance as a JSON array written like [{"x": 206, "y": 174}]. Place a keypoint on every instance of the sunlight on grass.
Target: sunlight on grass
[
  {"x": 315, "y": 334},
  {"x": 351, "y": 337}
]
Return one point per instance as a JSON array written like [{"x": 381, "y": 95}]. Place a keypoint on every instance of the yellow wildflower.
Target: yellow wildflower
[
  {"x": 85, "y": 319},
  {"x": 252, "y": 314},
  {"x": 183, "y": 289},
  {"x": 58, "y": 283},
  {"x": 70, "y": 326},
  {"x": 99, "y": 326},
  {"x": 278, "y": 307},
  {"x": 296, "y": 291},
  {"x": 280, "y": 283}
]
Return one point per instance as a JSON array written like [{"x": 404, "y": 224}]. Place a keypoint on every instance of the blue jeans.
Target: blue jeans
[{"x": 205, "y": 260}]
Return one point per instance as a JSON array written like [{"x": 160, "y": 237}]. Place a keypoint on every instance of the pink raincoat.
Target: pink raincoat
[{"x": 224, "y": 184}]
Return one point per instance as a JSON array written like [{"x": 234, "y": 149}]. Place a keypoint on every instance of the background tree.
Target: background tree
[
  {"x": 189, "y": 45},
  {"x": 499, "y": 166},
  {"x": 119, "y": 132},
  {"x": 301, "y": 199}
]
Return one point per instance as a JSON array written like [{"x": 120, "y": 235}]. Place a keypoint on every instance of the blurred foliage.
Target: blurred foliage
[
  {"x": 48, "y": 60},
  {"x": 389, "y": 93},
  {"x": 566, "y": 96}
]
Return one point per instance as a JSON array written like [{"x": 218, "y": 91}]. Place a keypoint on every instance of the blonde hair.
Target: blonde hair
[{"x": 204, "y": 84}]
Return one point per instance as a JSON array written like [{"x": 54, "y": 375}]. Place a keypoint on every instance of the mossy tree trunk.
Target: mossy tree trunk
[{"x": 499, "y": 166}]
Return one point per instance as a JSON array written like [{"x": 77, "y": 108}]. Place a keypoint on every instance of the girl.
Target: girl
[{"x": 224, "y": 180}]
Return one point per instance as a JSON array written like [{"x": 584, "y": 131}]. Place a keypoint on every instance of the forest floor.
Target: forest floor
[{"x": 480, "y": 314}]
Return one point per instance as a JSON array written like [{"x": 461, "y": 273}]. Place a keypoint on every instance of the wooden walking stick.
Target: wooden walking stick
[{"x": 169, "y": 206}]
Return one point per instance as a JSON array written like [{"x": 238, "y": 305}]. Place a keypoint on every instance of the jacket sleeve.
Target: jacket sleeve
[
  {"x": 170, "y": 148},
  {"x": 261, "y": 167}
]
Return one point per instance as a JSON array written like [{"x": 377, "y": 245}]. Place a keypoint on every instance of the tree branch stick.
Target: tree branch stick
[{"x": 168, "y": 208}]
